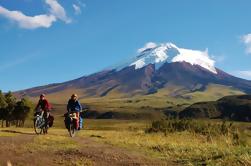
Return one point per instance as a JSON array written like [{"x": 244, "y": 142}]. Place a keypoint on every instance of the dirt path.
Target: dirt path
[{"x": 90, "y": 152}]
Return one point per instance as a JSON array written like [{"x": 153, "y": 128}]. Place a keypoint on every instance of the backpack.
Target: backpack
[{"x": 50, "y": 120}]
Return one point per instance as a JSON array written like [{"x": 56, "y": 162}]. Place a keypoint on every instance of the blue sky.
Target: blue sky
[{"x": 50, "y": 41}]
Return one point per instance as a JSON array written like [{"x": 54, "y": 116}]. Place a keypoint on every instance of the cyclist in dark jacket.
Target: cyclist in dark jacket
[{"x": 74, "y": 106}]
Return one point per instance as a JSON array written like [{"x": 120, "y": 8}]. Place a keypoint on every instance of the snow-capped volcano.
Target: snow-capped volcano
[
  {"x": 156, "y": 67},
  {"x": 159, "y": 54}
]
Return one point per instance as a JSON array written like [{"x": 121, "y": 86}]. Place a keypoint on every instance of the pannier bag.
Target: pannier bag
[
  {"x": 80, "y": 122},
  {"x": 50, "y": 120}
]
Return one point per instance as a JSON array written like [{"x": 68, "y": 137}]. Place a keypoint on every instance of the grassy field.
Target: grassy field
[
  {"x": 143, "y": 104},
  {"x": 182, "y": 148},
  {"x": 151, "y": 106},
  {"x": 178, "y": 147}
]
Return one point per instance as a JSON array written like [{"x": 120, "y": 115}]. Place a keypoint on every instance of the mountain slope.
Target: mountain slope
[
  {"x": 155, "y": 68},
  {"x": 231, "y": 107}
]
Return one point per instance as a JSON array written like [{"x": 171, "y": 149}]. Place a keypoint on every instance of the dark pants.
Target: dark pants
[{"x": 46, "y": 117}]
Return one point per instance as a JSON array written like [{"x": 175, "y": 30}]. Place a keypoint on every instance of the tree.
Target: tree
[
  {"x": 21, "y": 111},
  {"x": 3, "y": 106},
  {"x": 11, "y": 104},
  {"x": 14, "y": 112}
]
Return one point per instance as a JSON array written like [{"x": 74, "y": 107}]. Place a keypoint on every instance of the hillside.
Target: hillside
[
  {"x": 160, "y": 77},
  {"x": 236, "y": 107},
  {"x": 177, "y": 79}
]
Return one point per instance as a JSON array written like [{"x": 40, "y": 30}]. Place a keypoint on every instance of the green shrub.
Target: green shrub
[{"x": 193, "y": 126}]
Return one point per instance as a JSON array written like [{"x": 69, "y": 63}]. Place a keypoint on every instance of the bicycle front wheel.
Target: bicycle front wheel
[
  {"x": 72, "y": 130},
  {"x": 38, "y": 126}
]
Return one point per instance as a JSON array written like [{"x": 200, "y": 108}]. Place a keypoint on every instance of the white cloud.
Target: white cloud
[
  {"x": 38, "y": 21},
  {"x": 246, "y": 74},
  {"x": 246, "y": 39},
  {"x": 81, "y": 3},
  {"x": 147, "y": 46},
  {"x": 28, "y": 22},
  {"x": 77, "y": 9},
  {"x": 58, "y": 11}
]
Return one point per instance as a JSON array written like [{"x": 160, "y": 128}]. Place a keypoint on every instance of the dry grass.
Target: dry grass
[
  {"x": 51, "y": 143},
  {"x": 183, "y": 147}
]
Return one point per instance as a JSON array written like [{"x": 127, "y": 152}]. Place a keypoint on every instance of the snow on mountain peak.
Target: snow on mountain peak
[
  {"x": 158, "y": 54},
  {"x": 195, "y": 57}
]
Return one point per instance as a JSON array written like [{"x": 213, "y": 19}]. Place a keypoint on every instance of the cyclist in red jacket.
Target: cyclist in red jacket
[{"x": 43, "y": 106}]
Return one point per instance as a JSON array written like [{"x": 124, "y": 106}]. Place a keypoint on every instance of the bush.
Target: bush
[
  {"x": 12, "y": 111},
  {"x": 193, "y": 126}
]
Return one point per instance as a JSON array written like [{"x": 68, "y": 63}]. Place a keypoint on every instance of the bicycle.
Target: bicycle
[
  {"x": 70, "y": 122},
  {"x": 39, "y": 123}
]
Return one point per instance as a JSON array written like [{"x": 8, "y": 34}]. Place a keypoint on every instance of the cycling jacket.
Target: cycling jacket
[
  {"x": 43, "y": 104},
  {"x": 74, "y": 105}
]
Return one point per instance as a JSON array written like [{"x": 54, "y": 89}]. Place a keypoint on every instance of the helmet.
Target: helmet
[
  {"x": 42, "y": 95},
  {"x": 74, "y": 95}
]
